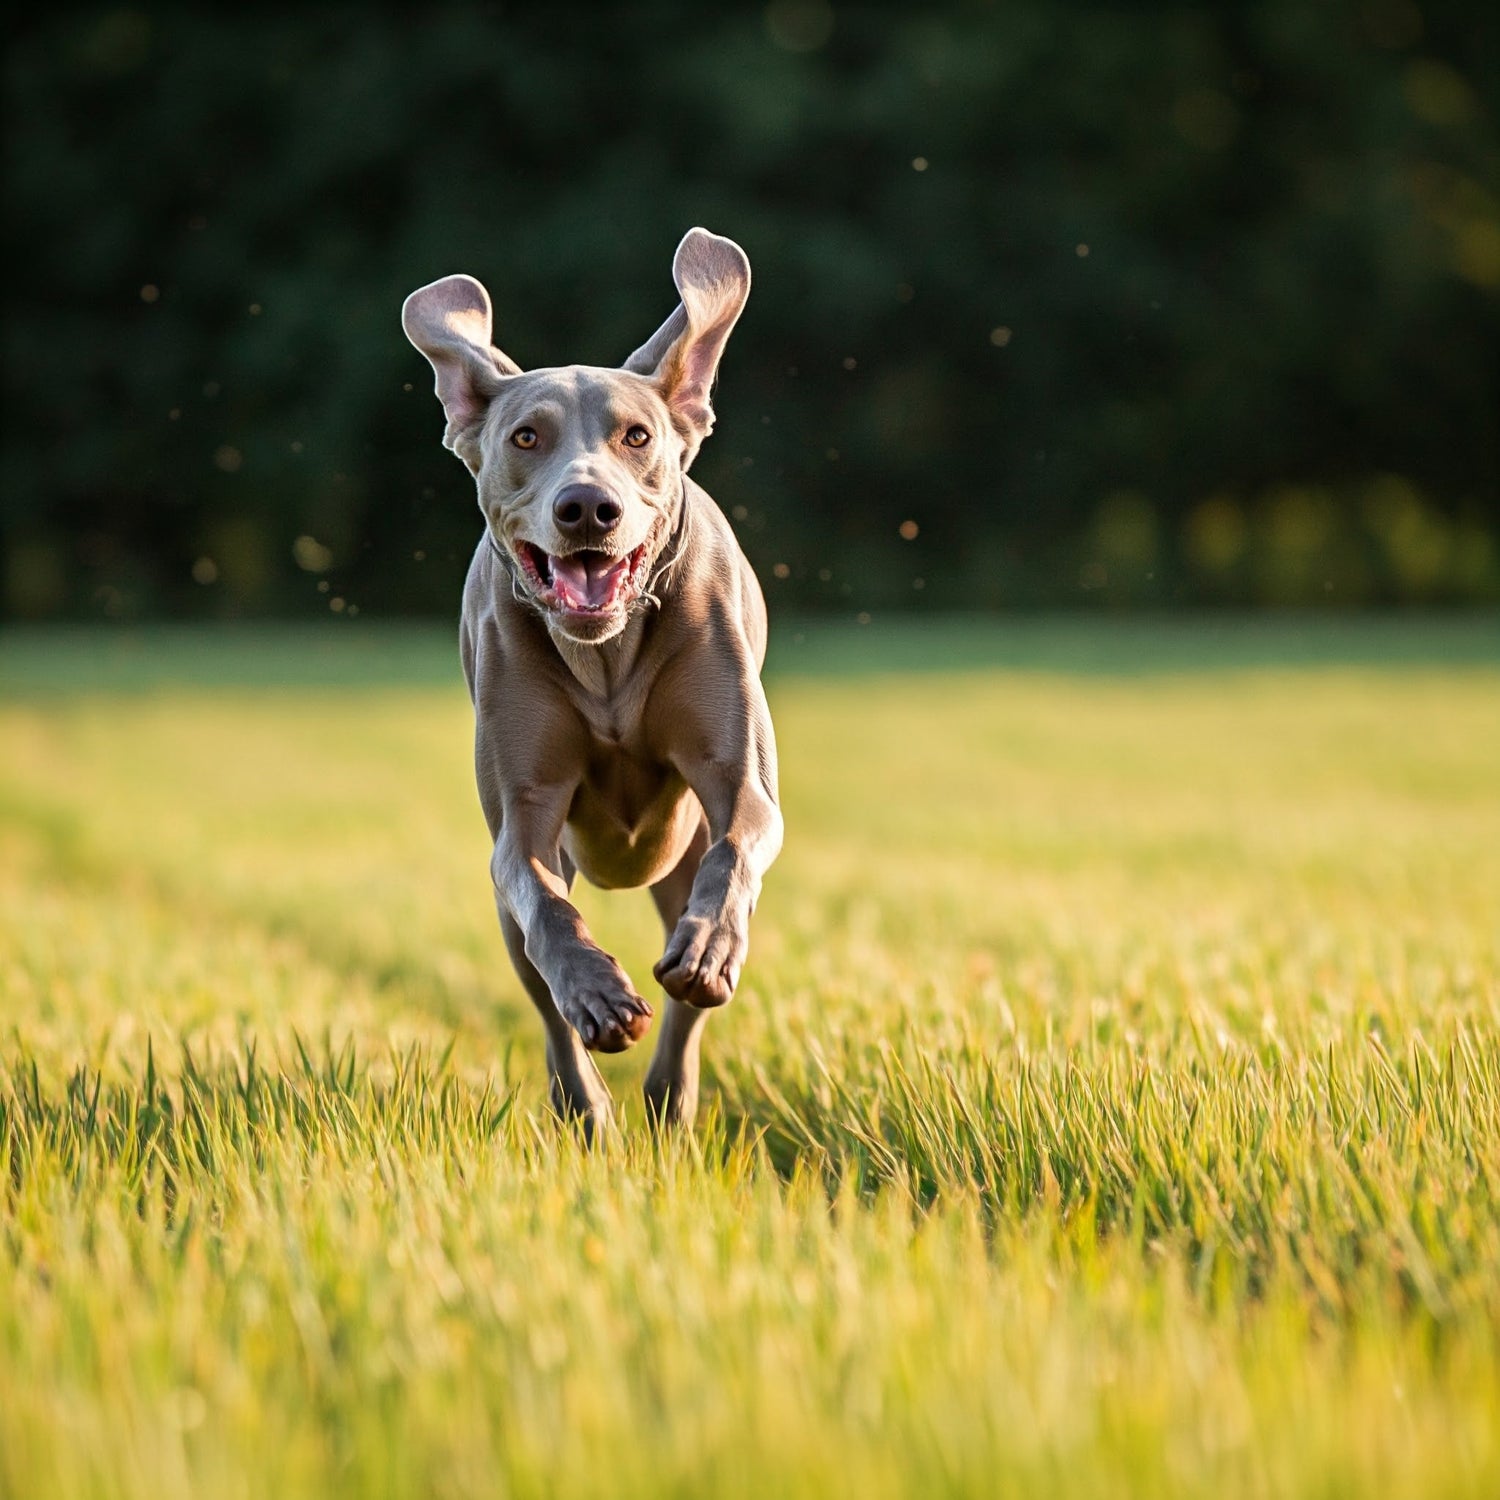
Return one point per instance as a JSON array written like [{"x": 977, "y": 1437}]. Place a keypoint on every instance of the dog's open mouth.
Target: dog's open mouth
[{"x": 586, "y": 582}]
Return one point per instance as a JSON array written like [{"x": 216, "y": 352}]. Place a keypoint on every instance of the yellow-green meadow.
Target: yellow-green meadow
[{"x": 1111, "y": 1105}]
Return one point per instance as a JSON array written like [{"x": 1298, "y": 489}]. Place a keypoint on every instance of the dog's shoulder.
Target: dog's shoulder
[{"x": 718, "y": 586}]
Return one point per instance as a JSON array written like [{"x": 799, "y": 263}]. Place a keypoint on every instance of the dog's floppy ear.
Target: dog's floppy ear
[
  {"x": 450, "y": 322},
  {"x": 713, "y": 279}
]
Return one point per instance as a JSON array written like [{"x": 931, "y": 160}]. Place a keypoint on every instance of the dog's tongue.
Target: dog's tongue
[{"x": 586, "y": 580}]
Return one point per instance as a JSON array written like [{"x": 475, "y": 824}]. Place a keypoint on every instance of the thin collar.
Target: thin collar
[{"x": 672, "y": 549}]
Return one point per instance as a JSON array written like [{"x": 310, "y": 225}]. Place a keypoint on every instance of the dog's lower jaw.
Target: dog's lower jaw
[
  {"x": 587, "y": 629},
  {"x": 585, "y": 626}
]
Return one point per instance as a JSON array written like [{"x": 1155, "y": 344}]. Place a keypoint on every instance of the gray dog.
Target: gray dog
[{"x": 612, "y": 638}]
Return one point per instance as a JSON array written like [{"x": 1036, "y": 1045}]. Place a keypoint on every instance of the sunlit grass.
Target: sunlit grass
[{"x": 1112, "y": 1104}]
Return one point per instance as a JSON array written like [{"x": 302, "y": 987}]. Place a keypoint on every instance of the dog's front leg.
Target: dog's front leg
[
  {"x": 574, "y": 1085},
  {"x": 731, "y": 765},
  {"x": 590, "y": 990}
]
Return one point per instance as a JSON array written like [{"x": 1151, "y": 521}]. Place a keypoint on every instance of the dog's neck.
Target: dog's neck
[
  {"x": 601, "y": 668},
  {"x": 663, "y": 580}
]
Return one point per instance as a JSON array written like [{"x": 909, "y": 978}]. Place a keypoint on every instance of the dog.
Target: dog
[{"x": 612, "y": 637}]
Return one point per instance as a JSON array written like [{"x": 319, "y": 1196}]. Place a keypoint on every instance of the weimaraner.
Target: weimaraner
[{"x": 612, "y": 638}]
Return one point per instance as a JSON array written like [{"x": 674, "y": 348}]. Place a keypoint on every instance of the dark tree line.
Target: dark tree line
[{"x": 1053, "y": 303}]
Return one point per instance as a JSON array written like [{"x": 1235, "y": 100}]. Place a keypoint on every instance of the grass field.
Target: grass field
[{"x": 1111, "y": 1105}]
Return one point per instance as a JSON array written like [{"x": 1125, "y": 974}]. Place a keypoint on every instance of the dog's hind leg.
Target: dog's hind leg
[
  {"x": 577, "y": 1090},
  {"x": 671, "y": 1085}
]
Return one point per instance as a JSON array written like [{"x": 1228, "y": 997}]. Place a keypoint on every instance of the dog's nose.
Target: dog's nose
[{"x": 586, "y": 512}]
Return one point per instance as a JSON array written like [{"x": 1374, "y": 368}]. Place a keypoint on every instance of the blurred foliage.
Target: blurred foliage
[{"x": 1053, "y": 304}]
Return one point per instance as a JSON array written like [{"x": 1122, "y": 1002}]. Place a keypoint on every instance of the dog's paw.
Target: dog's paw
[
  {"x": 600, "y": 1005},
  {"x": 702, "y": 963}
]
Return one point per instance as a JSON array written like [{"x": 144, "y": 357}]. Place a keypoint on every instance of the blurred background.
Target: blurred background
[{"x": 1056, "y": 305}]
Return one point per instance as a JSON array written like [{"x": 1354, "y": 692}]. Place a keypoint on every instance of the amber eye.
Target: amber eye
[
  {"x": 524, "y": 437},
  {"x": 637, "y": 437}
]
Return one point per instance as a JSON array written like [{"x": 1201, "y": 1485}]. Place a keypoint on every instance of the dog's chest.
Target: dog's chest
[
  {"x": 614, "y": 724},
  {"x": 624, "y": 771},
  {"x": 630, "y": 816}
]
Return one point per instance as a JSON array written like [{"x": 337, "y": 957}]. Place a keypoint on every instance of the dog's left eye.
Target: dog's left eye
[{"x": 637, "y": 437}]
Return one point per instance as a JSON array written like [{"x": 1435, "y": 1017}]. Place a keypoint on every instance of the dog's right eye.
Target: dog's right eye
[{"x": 524, "y": 437}]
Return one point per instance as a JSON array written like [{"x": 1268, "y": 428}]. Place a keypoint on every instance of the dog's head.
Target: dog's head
[{"x": 580, "y": 468}]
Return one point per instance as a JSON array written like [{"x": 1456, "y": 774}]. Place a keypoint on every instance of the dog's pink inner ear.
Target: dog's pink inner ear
[
  {"x": 713, "y": 278},
  {"x": 450, "y": 322},
  {"x": 688, "y": 371}
]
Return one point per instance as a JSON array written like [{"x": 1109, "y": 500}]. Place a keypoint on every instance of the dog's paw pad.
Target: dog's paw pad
[
  {"x": 607, "y": 1014},
  {"x": 702, "y": 963}
]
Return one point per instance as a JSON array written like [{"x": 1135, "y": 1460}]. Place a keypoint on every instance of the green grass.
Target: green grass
[{"x": 1111, "y": 1105}]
